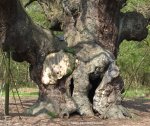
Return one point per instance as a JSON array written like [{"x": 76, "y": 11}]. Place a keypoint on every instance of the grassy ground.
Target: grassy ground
[
  {"x": 137, "y": 92},
  {"x": 139, "y": 107},
  {"x": 130, "y": 93},
  {"x": 23, "y": 92}
]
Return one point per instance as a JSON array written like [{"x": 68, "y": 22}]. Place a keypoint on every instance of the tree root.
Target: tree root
[
  {"x": 40, "y": 107},
  {"x": 115, "y": 112},
  {"x": 56, "y": 104}
]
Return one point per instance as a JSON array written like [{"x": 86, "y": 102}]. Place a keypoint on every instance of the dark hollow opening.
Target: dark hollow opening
[
  {"x": 95, "y": 80},
  {"x": 71, "y": 86}
]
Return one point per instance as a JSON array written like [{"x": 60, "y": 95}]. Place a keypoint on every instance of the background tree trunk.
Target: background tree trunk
[{"x": 93, "y": 30}]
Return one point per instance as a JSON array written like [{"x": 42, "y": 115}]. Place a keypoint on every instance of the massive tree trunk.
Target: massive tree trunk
[{"x": 78, "y": 74}]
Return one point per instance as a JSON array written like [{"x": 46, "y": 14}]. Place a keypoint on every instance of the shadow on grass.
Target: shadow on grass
[{"x": 141, "y": 104}]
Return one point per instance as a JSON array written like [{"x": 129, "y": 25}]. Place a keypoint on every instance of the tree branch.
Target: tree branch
[{"x": 24, "y": 37}]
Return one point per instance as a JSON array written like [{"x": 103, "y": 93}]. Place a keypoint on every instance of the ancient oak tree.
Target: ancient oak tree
[{"x": 78, "y": 74}]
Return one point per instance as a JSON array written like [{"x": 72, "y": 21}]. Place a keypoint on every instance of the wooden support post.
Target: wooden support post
[{"x": 7, "y": 84}]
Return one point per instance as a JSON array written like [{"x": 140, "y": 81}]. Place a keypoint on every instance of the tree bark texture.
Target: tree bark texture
[{"x": 78, "y": 74}]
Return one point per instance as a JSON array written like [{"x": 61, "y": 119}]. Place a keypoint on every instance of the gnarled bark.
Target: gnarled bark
[{"x": 93, "y": 30}]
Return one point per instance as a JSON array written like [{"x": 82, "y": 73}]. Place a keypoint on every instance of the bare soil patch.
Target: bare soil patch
[{"x": 140, "y": 107}]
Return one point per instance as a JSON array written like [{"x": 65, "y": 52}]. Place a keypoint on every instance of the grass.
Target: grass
[
  {"x": 23, "y": 92},
  {"x": 137, "y": 92},
  {"x": 131, "y": 93},
  {"x": 36, "y": 13}
]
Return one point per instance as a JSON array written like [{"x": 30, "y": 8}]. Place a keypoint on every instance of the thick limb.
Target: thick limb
[
  {"x": 81, "y": 88},
  {"x": 107, "y": 99},
  {"x": 49, "y": 99},
  {"x": 70, "y": 105}
]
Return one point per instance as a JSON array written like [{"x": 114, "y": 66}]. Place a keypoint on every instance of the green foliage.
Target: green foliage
[
  {"x": 36, "y": 13},
  {"x": 19, "y": 72},
  {"x": 137, "y": 92},
  {"x": 134, "y": 57},
  {"x": 142, "y": 6},
  {"x": 134, "y": 60}
]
